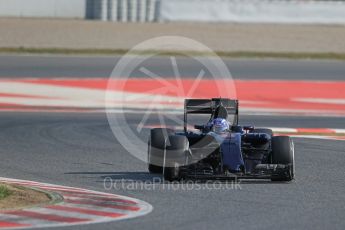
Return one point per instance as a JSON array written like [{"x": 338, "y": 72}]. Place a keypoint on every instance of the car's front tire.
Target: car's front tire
[
  {"x": 174, "y": 157},
  {"x": 156, "y": 147},
  {"x": 283, "y": 153}
]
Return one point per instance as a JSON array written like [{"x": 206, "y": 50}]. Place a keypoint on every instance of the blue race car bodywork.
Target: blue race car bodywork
[
  {"x": 231, "y": 152},
  {"x": 241, "y": 152}
]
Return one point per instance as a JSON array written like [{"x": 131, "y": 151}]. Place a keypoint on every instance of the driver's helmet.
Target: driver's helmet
[{"x": 220, "y": 125}]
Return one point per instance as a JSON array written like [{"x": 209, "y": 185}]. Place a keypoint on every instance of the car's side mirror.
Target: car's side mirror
[
  {"x": 237, "y": 129},
  {"x": 199, "y": 127},
  {"x": 248, "y": 128}
]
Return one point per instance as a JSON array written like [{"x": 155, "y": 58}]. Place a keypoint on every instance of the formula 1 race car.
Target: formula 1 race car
[{"x": 219, "y": 149}]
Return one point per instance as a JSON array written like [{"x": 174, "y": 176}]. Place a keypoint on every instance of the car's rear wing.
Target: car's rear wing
[{"x": 208, "y": 106}]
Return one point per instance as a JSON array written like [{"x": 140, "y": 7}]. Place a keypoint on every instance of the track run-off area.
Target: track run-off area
[
  {"x": 270, "y": 96},
  {"x": 71, "y": 206},
  {"x": 54, "y": 129}
]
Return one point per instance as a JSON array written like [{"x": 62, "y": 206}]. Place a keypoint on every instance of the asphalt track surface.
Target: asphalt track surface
[
  {"x": 62, "y": 66},
  {"x": 79, "y": 149}
]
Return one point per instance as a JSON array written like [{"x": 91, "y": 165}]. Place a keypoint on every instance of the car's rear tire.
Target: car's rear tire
[
  {"x": 156, "y": 146},
  {"x": 175, "y": 156},
  {"x": 283, "y": 153}
]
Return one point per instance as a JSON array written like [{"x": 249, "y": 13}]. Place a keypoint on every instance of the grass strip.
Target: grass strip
[
  {"x": 230, "y": 54},
  {"x": 4, "y": 191}
]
